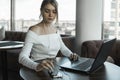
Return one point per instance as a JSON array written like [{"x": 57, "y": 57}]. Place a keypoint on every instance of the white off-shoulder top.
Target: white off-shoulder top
[{"x": 38, "y": 47}]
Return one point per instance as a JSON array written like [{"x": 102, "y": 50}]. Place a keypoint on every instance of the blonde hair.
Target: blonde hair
[{"x": 52, "y": 2}]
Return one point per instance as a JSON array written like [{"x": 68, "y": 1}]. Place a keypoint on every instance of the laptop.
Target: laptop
[{"x": 90, "y": 65}]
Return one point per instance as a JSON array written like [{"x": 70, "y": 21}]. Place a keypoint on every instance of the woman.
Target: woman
[{"x": 43, "y": 41}]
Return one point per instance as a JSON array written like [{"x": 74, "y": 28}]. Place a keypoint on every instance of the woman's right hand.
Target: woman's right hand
[{"x": 45, "y": 64}]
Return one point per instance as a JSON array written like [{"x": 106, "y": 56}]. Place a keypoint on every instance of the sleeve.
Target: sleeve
[
  {"x": 24, "y": 57},
  {"x": 63, "y": 48}
]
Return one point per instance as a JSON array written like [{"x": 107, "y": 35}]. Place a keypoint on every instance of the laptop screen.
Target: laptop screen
[{"x": 103, "y": 54}]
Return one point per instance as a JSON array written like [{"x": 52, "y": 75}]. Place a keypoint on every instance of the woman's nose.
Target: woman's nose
[{"x": 50, "y": 14}]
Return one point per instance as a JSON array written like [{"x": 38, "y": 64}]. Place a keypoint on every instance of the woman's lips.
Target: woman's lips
[{"x": 50, "y": 18}]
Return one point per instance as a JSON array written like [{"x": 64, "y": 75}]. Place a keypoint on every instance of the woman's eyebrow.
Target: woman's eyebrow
[{"x": 49, "y": 9}]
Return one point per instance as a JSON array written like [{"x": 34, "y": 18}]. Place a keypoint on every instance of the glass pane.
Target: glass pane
[
  {"x": 27, "y": 14},
  {"x": 67, "y": 16},
  {"x": 111, "y": 26},
  {"x": 5, "y": 14}
]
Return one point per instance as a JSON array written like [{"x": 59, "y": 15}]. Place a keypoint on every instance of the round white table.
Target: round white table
[{"x": 7, "y": 45}]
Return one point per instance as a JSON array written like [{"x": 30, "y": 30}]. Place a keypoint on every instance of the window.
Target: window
[
  {"x": 113, "y": 0},
  {"x": 5, "y": 14},
  {"x": 113, "y": 15},
  {"x": 113, "y": 5},
  {"x": 119, "y": 33},
  {"x": 111, "y": 25},
  {"x": 27, "y": 13},
  {"x": 119, "y": 24}
]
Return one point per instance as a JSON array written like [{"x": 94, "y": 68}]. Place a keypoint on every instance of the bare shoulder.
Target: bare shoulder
[{"x": 35, "y": 29}]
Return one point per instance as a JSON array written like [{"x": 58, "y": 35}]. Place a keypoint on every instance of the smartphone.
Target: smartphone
[{"x": 58, "y": 75}]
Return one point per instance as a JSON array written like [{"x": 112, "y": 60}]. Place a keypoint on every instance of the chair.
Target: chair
[{"x": 2, "y": 33}]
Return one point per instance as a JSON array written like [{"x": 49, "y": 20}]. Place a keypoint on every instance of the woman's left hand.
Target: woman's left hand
[{"x": 74, "y": 57}]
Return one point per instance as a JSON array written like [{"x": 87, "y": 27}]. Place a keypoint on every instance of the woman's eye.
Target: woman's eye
[
  {"x": 46, "y": 11},
  {"x": 54, "y": 11}
]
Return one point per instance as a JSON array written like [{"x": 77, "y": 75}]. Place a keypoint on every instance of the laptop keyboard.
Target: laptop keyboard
[{"x": 84, "y": 65}]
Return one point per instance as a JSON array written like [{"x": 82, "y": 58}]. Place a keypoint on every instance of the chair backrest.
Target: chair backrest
[{"x": 2, "y": 33}]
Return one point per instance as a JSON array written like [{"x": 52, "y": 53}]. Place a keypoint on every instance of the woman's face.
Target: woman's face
[{"x": 49, "y": 13}]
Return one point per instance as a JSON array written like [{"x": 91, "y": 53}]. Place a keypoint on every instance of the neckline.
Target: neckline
[{"x": 42, "y": 34}]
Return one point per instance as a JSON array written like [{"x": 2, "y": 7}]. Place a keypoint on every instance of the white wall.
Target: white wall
[{"x": 89, "y": 17}]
